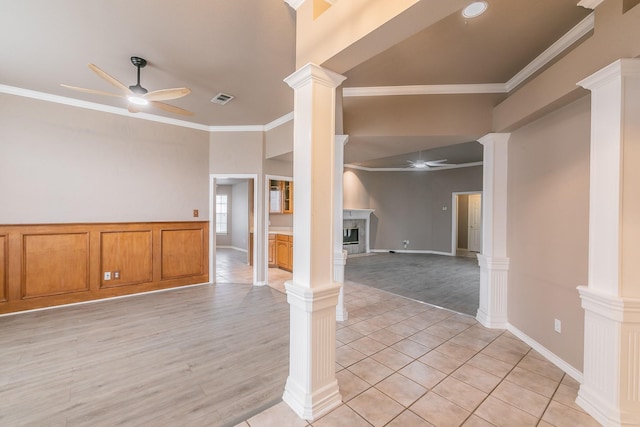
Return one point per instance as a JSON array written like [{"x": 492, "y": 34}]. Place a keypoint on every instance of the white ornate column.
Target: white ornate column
[
  {"x": 339, "y": 254},
  {"x": 493, "y": 261},
  {"x": 312, "y": 389},
  {"x": 610, "y": 391}
]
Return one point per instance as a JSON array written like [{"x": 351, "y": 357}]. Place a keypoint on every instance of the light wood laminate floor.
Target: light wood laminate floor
[{"x": 200, "y": 356}]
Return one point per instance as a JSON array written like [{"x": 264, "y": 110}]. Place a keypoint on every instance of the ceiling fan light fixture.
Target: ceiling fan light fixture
[
  {"x": 137, "y": 100},
  {"x": 475, "y": 9},
  {"x": 420, "y": 164}
]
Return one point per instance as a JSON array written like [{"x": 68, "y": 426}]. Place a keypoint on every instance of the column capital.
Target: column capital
[
  {"x": 621, "y": 68},
  {"x": 295, "y": 4},
  {"x": 492, "y": 138},
  {"x": 589, "y": 4},
  {"x": 343, "y": 139},
  {"x": 313, "y": 72}
]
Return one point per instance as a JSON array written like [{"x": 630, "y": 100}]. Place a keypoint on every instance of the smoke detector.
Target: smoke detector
[{"x": 222, "y": 98}]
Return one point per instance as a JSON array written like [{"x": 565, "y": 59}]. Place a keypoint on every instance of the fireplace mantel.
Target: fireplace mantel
[{"x": 360, "y": 214}]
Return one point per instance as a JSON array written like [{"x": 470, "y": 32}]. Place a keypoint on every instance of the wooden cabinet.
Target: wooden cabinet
[
  {"x": 287, "y": 197},
  {"x": 280, "y": 197},
  {"x": 284, "y": 252},
  {"x": 272, "y": 250}
]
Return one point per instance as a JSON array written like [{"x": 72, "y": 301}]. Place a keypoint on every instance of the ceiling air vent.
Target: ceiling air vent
[{"x": 222, "y": 98}]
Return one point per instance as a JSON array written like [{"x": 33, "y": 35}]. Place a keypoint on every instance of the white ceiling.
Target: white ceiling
[{"x": 247, "y": 47}]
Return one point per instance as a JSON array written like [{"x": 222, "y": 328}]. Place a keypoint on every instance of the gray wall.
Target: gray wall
[
  {"x": 240, "y": 209},
  {"x": 409, "y": 205},
  {"x": 548, "y": 228}
]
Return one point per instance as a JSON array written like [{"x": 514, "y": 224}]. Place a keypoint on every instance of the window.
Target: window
[{"x": 221, "y": 214}]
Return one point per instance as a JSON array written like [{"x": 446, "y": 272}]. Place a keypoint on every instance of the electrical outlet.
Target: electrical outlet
[
  {"x": 107, "y": 275},
  {"x": 116, "y": 275},
  {"x": 557, "y": 325}
]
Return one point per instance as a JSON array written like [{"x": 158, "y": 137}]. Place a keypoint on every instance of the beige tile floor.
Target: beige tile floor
[{"x": 402, "y": 363}]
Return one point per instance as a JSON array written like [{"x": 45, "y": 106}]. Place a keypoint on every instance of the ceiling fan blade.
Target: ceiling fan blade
[
  {"x": 96, "y": 92},
  {"x": 112, "y": 80},
  {"x": 167, "y": 94},
  {"x": 132, "y": 108},
  {"x": 171, "y": 108}
]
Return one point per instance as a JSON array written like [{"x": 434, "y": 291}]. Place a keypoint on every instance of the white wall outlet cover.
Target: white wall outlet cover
[
  {"x": 557, "y": 325},
  {"x": 107, "y": 275}
]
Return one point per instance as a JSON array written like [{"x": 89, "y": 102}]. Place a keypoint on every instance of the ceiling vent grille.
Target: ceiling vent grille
[{"x": 222, "y": 98}]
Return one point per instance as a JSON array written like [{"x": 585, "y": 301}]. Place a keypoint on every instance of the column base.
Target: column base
[
  {"x": 492, "y": 312},
  {"x": 312, "y": 389},
  {"x": 312, "y": 406},
  {"x": 610, "y": 392}
]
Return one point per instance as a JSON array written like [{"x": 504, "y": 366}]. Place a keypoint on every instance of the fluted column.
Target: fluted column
[
  {"x": 610, "y": 391},
  {"x": 493, "y": 261},
  {"x": 312, "y": 389}
]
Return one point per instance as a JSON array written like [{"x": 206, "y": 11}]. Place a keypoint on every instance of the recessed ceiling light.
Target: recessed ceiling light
[{"x": 476, "y": 8}]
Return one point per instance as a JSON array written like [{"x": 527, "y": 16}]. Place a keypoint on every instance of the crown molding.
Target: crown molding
[
  {"x": 563, "y": 43},
  {"x": 27, "y": 93},
  {"x": 278, "y": 122},
  {"x": 424, "y": 90},
  {"x": 589, "y": 4},
  {"x": 439, "y": 168},
  {"x": 238, "y": 128}
]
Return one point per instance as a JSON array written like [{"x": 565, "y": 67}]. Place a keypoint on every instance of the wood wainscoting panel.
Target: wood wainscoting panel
[
  {"x": 54, "y": 264},
  {"x": 4, "y": 266},
  {"x": 182, "y": 253},
  {"x": 45, "y": 265},
  {"x": 129, "y": 253}
]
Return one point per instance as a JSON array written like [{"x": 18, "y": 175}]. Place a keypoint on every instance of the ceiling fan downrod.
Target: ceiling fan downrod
[{"x": 138, "y": 63}]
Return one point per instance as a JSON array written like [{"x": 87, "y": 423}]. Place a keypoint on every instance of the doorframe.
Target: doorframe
[
  {"x": 454, "y": 217},
  {"x": 212, "y": 222},
  {"x": 267, "y": 199}
]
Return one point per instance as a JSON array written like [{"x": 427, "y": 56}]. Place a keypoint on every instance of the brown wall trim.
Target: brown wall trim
[{"x": 44, "y": 265}]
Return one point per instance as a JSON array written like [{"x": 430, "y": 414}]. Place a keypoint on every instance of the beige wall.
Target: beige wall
[
  {"x": 236, "y": 152},
  {"x": 420, "y": 115},
  {"x": 62, "y": 164},
  {"x": 279, "y": 140},
  {"x": 548, "y": 212},
  {"x": 408, "y": 205}
]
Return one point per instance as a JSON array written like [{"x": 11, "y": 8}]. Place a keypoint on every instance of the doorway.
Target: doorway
[
  {"x": 466, "y": 239},
  {"x": 232, "y": 225},
  {"x": 279, "y": 230}
]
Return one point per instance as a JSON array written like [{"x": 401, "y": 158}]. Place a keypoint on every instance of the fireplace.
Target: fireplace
[
  {"x": 355, "y": 230},
  {"x": 350, "y": 236}
]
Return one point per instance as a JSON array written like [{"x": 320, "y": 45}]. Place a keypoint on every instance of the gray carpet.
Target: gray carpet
[{"x": 444, "y": 281}]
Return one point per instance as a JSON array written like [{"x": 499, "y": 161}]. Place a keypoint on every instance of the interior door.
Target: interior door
[{"x": 475, "y": 223}]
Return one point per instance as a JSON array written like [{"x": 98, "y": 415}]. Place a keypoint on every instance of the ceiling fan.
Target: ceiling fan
[
  {"x": 136, "y": 94},
  {"x": 426, "y": 164}
]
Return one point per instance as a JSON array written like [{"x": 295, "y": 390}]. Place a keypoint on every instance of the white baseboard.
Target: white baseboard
[
  {"x": 235, "y": 248},
  {"x": 553, "y": 358},
  {"x": 411, "y": 251}
]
